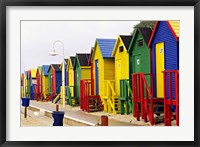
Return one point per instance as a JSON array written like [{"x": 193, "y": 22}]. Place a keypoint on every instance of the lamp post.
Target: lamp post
[{"x": 53, "y": 53}]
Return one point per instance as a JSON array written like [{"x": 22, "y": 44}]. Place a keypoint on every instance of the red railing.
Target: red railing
[
  {"x": 143, "y": 101},
  {"x": 86, "y": 94},
  {"x": 170, "y": 98},
  {"x": 85, "y": 91}
]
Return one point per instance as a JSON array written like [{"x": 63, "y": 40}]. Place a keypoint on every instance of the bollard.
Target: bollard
[{"x": 104, "y": 120}]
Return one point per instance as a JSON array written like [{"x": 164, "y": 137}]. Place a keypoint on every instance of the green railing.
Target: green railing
[
  {"x": 126, "y": 104},
  {"x": 71, "y": 96}
]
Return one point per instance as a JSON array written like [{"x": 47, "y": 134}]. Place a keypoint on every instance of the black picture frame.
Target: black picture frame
[{"x": 5, "y": 3}]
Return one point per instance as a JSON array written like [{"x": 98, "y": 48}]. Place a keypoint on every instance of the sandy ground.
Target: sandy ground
[
  {"x": 35, "y": 119},
  {"x": 40, "y": 120}
]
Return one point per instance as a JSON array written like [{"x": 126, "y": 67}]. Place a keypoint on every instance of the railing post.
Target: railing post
[{"x": 177, "y": 97}]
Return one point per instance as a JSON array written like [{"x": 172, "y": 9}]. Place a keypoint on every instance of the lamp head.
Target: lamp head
[{"x": 53, "y": 53}]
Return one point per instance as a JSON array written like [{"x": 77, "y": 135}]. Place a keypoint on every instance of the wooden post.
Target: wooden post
[
  {"x": 25, "y": 112},
  {"x": 57, "y": 108},
  {"x": 104, "y": 120}
]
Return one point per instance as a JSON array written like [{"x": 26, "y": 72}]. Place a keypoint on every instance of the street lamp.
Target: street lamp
[{"x": 53, "y": 53}]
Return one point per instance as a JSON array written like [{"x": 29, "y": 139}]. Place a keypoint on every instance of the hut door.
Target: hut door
[
  {"x": 97, "y": 76},
  {"x": 159, "y": 68},
  {"x": 137, "y": 64}
]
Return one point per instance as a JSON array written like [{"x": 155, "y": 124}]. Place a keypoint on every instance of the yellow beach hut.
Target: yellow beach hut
[
  {"x": 104, "y": 74},
  {"x": 71, "y": 100},
  {"x": 121, "y": 55}
]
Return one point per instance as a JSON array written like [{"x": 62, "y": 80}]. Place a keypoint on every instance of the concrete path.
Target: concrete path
[{"x": 76, "y": 117}]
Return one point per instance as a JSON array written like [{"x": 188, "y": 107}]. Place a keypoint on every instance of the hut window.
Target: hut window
[
  {"x": 121, "y": 49},
  {"x": 140, "y": 43}
]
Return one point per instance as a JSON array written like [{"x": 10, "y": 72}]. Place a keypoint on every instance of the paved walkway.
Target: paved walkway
[{"x": 77, "y": 114}]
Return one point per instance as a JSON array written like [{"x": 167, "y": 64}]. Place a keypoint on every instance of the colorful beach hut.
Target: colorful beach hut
[
  {"x": 33, "y": 82},
  {"x": 45, "y": 80},
  {"x": 66, "y": 77},
  {"x": 104, "y": 73},
  {"x": 121, "y": 55},
  {"x": 90, "y": 63},
  {"x": 38, "y": 92},
  {"x": 120, "y": 52},
  {"x": 70, "y": 71},
  {"x": 54, "y": 79},
  {"x": 22, "y": 85},
  {"x": 164, "y": 43},
  {"x": 82, "y": 71},
  {"x": 27, "y": 90},
  {"x": 70, "y": 89}
]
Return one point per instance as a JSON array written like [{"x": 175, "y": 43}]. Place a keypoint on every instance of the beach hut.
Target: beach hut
[
  {"x": 91, "y": 71},
  {"x": 38, "y": 92},
  {"x": 88, "y": 101},
  {"x": 66, "y": 77},
  {"x": 70, "y": 89},
  {"x": 45, "y": 80},
  {"x": 70, "y": 71},
  {"x": 139, "y": 51},
  {"x": 164, "y": 44},
  {"x": 81, "y": 71},
  {"x": 26, "y": 83},
  {"x": 104, "y": 73},
  {"x": 120, "y": 52},
  {"x": 22, "y": 85},
  {"x": 33, "y": 83},
  {"x": 54, "y": 79}
]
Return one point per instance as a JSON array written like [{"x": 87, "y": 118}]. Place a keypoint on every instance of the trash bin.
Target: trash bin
[
  {"x": 58, "y": 118},
  {"x": 25, "y": 102}
]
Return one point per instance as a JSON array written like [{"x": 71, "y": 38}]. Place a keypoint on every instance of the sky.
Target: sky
[{"x": 37, "y": 38}]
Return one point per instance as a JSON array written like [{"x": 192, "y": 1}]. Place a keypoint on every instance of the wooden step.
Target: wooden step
[{"x": 95, "y": 110}]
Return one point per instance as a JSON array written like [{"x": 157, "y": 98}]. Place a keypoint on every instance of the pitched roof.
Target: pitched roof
[
  {"x": 146, "y": 34},
  {"x": 26, "y": 74},
  {"x": 90, "y": 57},
  {"x": 83, "y": 58},
  {"x": 45, "y": 68},
  {"x": 56, "y": 67},
  {"x": 155, "y": 28},
  {"x": 40, "y": 69},
  {"x": 126, "y": 40},
  {"x": 106, "y": 47},
  {"x": 72, "y": 60}
]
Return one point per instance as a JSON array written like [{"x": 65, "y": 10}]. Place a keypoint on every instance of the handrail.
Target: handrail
[
  {"x": 129, "y": 87},
  {"x": 139, "y": 82},
  {"x": 111, "y": 88},
  {"x": 172, "y": 98},
  {"x": 110, "y": 98}
]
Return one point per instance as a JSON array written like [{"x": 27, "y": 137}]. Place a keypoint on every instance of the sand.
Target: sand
[{"x": 40, "y": 120}]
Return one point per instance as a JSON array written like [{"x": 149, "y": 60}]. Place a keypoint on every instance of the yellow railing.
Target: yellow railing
[{"x": 109, "y": 96}]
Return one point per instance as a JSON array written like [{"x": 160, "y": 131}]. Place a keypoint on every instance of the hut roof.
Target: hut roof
[
  {"x": 45, "y": 68},
  {"x": 126, "y": 40},
  {"x": 106, "y": 47},
  {"x": 83, "y": 58}
]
